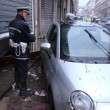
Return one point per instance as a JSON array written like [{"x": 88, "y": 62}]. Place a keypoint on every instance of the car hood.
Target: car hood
[{"x": 94, "y": 79}]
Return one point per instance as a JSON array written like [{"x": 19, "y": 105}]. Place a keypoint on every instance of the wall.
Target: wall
[{"x": 7, "y": 13}]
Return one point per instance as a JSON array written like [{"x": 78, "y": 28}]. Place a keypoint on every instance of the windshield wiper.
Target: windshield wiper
[
  {"x": 106, "y": 32},
  {"x": 91, "y": 37}
]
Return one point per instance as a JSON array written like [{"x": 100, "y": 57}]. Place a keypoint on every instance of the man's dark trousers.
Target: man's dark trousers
[{"x": 20, "y": 73}]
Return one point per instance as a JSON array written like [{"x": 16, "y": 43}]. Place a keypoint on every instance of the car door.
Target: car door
[
  {"x": 49, "y": 57},
  {"x": 51, "y": 64},
  {"x": 55, "y": 76}
]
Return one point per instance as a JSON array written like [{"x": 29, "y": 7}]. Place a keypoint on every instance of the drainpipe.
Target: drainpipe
[
  {"x": 33, "y": 25},
  {"x": 60, "y": 9},
  {"x": 75, "y": 6},
  {"x": 33, "y": 29},
  {"x": 68, "y": 6}
]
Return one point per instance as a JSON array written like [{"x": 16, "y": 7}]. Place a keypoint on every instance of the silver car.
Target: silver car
[{"x": 76, "y": 60}]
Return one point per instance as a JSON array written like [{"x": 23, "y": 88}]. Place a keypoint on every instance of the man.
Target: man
[
  {"x": 70, "y": 17},
  {"x": 20, "y": 37}
]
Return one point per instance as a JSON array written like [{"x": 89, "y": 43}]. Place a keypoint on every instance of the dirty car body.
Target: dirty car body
[{"x": 76, "y": 59}]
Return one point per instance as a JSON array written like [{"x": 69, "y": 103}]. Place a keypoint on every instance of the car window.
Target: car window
[
  {"x": 52, "y": 38},
  {"x": 108, "y": 20},
  {"x": 76, "y": 42}
]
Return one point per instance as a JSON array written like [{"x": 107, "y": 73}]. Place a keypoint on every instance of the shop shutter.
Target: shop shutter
[
  {"x": 7, "y": 13},
  {"x": 48, "y": 14}
]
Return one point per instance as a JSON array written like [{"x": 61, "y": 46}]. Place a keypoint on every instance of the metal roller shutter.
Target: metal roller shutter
[
  {"x": 48, "y": 14},
  {"x": 7, "y": 13}
]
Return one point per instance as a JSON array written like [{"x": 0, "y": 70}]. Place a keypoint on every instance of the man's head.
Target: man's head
[
  {"x": 70, "y": 16},
  {"x": 24, "y": 12}
]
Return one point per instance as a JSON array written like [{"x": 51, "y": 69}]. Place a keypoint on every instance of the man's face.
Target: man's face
[{"x": 25, "y": 15}]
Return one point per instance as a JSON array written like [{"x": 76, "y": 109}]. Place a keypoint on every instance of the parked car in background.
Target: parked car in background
[{"x": 76, "y": 60}]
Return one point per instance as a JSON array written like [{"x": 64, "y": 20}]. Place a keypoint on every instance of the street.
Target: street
[{"x": 36, "y": 83}]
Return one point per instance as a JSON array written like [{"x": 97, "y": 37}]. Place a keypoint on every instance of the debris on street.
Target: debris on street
[{"x": 37, "y": 84}]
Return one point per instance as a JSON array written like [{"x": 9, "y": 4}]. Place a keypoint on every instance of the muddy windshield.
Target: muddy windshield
[{"x": 92, "y": 43}]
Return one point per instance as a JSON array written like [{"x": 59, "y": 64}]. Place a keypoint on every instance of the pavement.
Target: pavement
[
  {"x": 36, "y": 83},
  {"x": 6, "y": 78}
]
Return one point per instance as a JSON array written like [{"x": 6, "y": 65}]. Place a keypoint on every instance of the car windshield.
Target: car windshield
[
  {"x": 85, "y": 42},
  {"x": 108, "y": 20}
]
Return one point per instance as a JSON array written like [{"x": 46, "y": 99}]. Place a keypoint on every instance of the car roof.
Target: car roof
[{"x": 81, "y": 23}]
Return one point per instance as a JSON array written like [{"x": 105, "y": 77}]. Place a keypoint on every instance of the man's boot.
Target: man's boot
[
  {"x": 24, "y": 93},
  {"x": 17, "y": 81},
  {"x": 17, "y": 85}
]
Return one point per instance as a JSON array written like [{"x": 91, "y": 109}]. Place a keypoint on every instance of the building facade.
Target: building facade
[
  {"x": 7, "y": 13},
  {"x": 102, "y": 8},
  {"x": 98, "y": 8},
  {"x": 48, "y": 11},
  {"x": 43, "y": 14}
]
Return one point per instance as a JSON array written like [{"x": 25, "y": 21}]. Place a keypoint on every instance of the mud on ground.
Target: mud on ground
[{"x": 37, "y": 83}]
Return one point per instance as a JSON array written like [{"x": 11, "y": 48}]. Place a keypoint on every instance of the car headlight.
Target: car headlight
[{"x": 79, "y": 100}]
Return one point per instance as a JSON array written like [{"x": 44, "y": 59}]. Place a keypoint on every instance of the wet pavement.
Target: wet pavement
[{"x": 36, "y": 82}]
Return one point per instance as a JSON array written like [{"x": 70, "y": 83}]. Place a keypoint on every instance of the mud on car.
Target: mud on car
[{"x": 76, "y": 60}]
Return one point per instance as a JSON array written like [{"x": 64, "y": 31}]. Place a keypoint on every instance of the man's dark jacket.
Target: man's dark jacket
[{"x": 19, "y": 32}]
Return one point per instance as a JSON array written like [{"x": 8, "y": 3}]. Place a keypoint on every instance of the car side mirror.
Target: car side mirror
[{"x": 45, "y": 46}]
